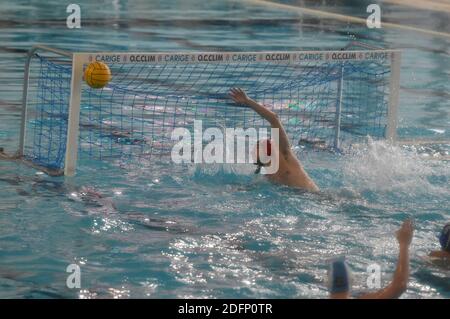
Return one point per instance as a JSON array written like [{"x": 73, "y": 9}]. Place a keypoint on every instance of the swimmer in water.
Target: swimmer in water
[
  {"x": 290, "y": 171},
  {"x": 339, "y": 274},
  {"x": 444, "y": 240}
]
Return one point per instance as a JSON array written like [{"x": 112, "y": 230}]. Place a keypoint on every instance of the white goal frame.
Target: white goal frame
[{"x": 79, "y": 60}]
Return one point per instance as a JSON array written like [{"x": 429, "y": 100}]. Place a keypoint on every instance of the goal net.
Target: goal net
[{"x": 325, "y": 100}]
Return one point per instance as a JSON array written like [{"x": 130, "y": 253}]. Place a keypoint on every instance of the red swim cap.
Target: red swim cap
[{"x": 268, "y": 147}]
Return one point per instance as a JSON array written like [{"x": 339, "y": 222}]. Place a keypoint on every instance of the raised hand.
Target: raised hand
[
  {"x": 405, "y": 233},
  {"x": 239, "y": 96}
]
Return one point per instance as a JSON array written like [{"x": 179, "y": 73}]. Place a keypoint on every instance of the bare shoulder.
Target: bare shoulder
[
  {"x": 439, "y": 258},
  {"x": 440, "y": 254},
  {"x": 290, "y": 156}
]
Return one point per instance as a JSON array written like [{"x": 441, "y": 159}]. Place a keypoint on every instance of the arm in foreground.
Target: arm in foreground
[{"x": 399, "y": 283}]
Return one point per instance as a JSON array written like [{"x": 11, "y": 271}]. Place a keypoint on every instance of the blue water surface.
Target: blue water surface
[{"x": 167, "y": 231}]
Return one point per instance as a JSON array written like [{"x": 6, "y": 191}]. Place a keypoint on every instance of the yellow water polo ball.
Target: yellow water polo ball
[{"x": 97, "y": 75}]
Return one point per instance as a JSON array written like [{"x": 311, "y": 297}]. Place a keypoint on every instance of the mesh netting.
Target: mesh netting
[{"x": 135, "y": 114}]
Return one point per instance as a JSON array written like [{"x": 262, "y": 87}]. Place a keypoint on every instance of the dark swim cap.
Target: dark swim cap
[
  {"x": 444, "y": 238},
  {"x": 339, "y": 276}
]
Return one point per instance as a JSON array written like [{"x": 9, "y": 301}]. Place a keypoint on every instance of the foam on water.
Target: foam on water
[{"x": 384, "y": 167}]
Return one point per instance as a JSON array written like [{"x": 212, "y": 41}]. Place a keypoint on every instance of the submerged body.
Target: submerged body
[
  {"x": 440, "y": 254},
  {"x": 443, "y": 255}
]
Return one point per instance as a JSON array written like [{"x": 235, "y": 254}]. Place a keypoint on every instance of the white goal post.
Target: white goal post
[{"x": 304, "y": 86}]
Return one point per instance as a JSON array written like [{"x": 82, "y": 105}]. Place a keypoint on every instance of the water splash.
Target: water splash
[{"x": 385, "y": 167}]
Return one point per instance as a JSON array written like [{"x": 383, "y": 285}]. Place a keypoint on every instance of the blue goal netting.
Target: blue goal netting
[{"x": 325, "y": 104}]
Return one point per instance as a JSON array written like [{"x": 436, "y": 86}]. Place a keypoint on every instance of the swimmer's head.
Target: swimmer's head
[
  {"x": 444, "y": 238},
  {"x": 266, "y": 148},
  {"x": 339, "y": 279}
]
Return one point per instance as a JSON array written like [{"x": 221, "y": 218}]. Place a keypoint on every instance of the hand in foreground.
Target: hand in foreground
[
  {"x": 405, "y": 233},
  {"x": 239, "y": 96}
]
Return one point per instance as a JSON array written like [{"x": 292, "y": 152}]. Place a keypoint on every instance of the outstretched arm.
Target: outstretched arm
[
  {"x": 400, "y": 281},
  {"x": 440, "y": 254},
  {"x": 240, "y": 97}
]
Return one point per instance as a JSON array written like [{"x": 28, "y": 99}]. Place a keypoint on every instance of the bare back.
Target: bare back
[{"x": 291, "y": 173}]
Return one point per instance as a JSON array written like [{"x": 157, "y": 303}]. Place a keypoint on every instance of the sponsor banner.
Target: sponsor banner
[{"x": 236, "y": 57}]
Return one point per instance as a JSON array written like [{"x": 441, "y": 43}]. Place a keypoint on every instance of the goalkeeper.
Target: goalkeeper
[{"x": 290, "y": 171}]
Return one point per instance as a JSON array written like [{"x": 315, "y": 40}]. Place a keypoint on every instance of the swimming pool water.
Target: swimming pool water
[{"x": 218, "y": 231}]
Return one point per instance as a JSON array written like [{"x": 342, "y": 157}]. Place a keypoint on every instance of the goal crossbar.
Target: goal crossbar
[{"x": 142, "y": 78}]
